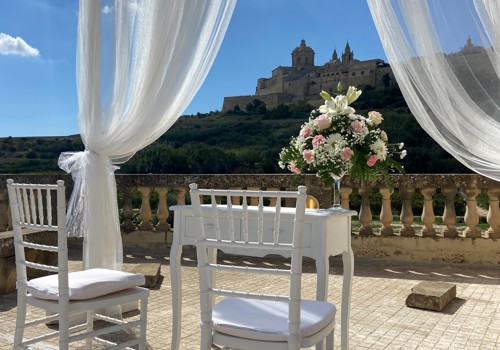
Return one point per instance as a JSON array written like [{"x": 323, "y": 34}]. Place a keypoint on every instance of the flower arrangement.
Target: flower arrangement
[{"x": 336, "y": 142}]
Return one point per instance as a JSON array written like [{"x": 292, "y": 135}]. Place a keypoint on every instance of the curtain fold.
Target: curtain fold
[
  {"x": 162, "y": 53},
  {"x": 445, "y": 57}
]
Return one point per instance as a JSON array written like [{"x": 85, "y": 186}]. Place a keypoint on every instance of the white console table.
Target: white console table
[{"x": 326, "y": 233}]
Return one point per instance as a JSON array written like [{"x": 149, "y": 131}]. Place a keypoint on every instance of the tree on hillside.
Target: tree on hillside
[{"x": 256, "y": 107}]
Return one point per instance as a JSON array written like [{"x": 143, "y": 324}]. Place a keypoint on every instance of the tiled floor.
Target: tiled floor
[{"x": 379, "y": 317}]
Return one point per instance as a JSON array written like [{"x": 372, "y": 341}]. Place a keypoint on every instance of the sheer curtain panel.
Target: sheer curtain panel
[
  {"x": 162, "y": 51},
  {"x": 445, "y": 57}
]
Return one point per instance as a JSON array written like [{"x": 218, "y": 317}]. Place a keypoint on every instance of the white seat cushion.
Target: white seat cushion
[
  {"x": 268, "y": 320},
  {"x": 86, "y": 284}
]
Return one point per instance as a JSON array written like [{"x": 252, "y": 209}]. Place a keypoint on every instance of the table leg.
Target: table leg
[
  {"x": 348, "y": 266},
  {"x": 176, "y": 284},
  {"x": 322, "y": 271}
]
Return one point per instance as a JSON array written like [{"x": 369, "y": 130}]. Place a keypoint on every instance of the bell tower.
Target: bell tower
[
  {"x": 335, "y": 57},
  {"x": 348, "y": 55}
]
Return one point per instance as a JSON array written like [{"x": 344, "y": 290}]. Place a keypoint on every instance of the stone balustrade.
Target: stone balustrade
[{"x": 434, "y": 217}]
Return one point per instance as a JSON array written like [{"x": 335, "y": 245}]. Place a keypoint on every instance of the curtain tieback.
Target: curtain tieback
[{"x": 85, "y": 167}]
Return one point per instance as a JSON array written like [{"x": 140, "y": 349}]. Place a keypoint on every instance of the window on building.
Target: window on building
[
  {"x": 362, "y": 72},
  {"x": 353, "y": 73}
]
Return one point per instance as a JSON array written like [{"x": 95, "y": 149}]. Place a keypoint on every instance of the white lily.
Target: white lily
[
  {"x": 342, "y": 105},
  {"x": 352, "y": 94},
  {"x": 336, "y": 106}
]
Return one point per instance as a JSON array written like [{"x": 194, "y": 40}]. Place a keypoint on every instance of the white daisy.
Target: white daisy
[
  {"x": 335, "y": 140},
  {"x": 380, "y": 148}
]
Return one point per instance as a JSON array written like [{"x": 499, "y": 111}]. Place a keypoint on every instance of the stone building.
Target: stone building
[{"x": 303, "y": 81}]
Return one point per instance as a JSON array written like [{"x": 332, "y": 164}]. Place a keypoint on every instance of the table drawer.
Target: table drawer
[
  {"x": 285, "y": 235},
  {"x": 210, "y": 228}
]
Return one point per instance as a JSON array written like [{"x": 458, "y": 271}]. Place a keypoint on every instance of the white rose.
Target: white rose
[{"x": 375, "y": 117}]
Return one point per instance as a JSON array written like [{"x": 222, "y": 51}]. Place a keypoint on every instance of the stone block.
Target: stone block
[
  {"x": 145, "y": 239},
  {"x": 151, "y": 271},
  {"x": 431, "y": 295}
]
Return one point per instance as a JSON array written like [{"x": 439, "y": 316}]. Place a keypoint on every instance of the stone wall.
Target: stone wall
[
  {"x": 388, "y": 233},
  {"x": 271, "y": 100}
]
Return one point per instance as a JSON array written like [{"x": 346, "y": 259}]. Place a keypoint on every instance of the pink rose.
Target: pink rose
[
  {"x": 318, "y": 140},
  {"x": 306, "y": 131},
  {"x": 357, "y": 126},
  {"x": 322, "y": 122},
  {"x": 346, "y": 153},
  {"x": 308, "y": 156},
  {"x": 372, "y": 160},
  {"x": 293, "y": 168}
]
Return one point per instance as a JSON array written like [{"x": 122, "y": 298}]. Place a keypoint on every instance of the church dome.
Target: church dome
[{"x": 303, "y": 55}]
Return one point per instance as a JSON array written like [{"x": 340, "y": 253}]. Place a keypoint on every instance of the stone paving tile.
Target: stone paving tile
[{"x": 379, "y": 317}]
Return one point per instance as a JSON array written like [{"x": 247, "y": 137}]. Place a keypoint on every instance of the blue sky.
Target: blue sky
[{"x": 38, "y": 45}]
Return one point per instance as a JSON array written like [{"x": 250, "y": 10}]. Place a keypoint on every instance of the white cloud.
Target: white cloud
[
  {"x": 16, "y": 46},
  {"x": 107, "y": 9}
]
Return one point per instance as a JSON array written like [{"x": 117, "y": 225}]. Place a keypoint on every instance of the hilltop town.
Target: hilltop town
[{"x": 304, "y": 81}]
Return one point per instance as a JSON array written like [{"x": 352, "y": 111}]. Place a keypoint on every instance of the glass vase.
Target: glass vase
[{"x": 336, "y": 195}]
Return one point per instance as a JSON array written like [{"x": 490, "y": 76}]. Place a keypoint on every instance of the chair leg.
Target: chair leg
[
  {"x": 90, "y": 328},
  {"x": 20, "y": 318},
  {"x": 329, "y": 341},
  {"x": 206, "y": 337},
  {"x": 144, "y": 322}
]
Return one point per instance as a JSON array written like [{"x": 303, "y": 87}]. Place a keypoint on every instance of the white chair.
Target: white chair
[
  {"x": 62, "y": 293},
  {"x": 239, "y": 318}
]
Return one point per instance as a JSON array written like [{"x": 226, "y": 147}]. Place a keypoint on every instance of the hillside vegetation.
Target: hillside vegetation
[{"x": 247, "y": 140}]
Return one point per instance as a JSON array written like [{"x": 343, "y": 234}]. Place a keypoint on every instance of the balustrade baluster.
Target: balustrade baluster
[
  {"x": 406, "y": 215},
  {"x": 145, "y": 212},
  {"x": 386, "y": 213},
  {"x": 254, "y": 200},
  {"x": 471, "y": 216},
  {"x": 345, "y": 192},
  {"x": 365, "y": 213},
  {"x": 428, "y": 216},
  {"x": 235, "y": 200},
  {"x": 162, "y": 212},
  {"x": 493, "y": 217},
  {"x": 181, "y": 195},
  {"x": 272, "y": 202},
  {"x": 449, "y": 214},
  {"x": 127, "y": 210}
]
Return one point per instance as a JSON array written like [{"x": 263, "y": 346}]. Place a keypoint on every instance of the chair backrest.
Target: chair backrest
[
  {"x": 40, "y": 207},
  {"x": 227, "y": 222}
]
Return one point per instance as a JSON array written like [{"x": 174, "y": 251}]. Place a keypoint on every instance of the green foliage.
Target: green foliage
[
  {"x": 35, "y": 154},
  {"x": 256, "y": 107},
  {"x": 237, "y": 141}
]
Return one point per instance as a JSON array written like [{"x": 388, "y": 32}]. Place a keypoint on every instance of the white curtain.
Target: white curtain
[
  {"x": 445, "y": 56},
  {"x": 162, "y": 51}
]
